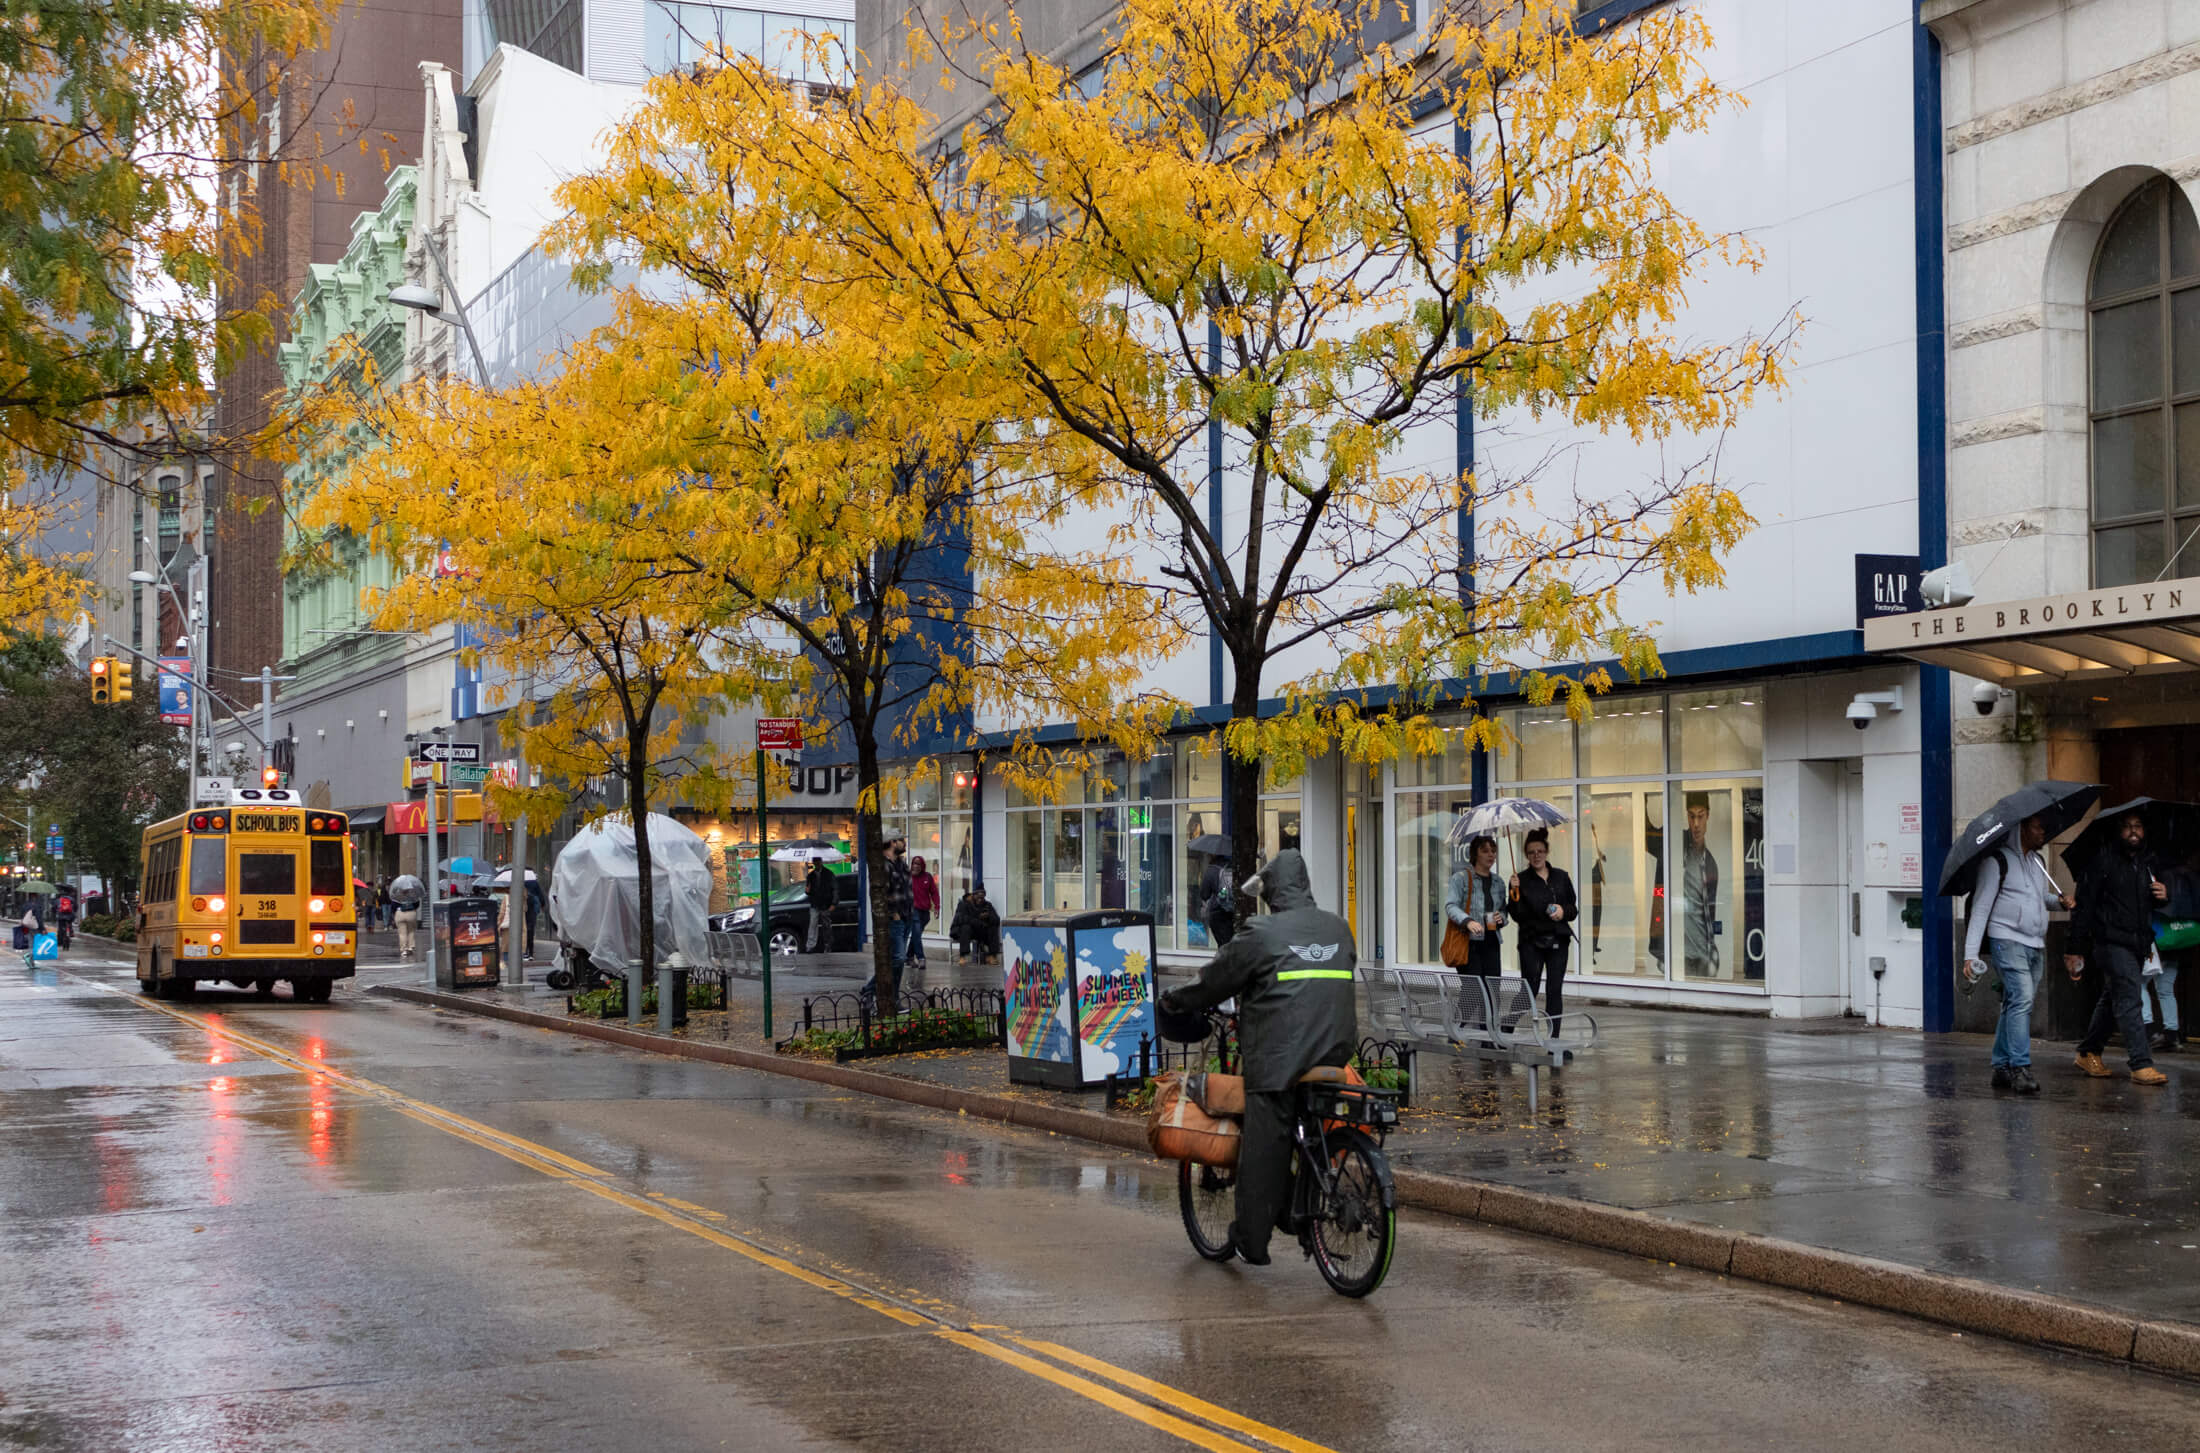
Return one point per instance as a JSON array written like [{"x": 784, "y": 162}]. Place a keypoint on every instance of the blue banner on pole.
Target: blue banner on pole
[{"x": 175, "y": 690}]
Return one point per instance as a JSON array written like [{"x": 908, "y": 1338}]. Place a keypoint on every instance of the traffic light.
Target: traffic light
[
  {"x": 102, "y": 679},
  {"x": 271, "y": 776},
  {"x": 122, "y": 674}
]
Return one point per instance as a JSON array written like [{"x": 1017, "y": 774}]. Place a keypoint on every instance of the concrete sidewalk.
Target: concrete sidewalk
[{"x": 1738, "y": 1134}]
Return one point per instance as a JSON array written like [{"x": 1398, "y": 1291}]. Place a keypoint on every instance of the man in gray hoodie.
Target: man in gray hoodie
[{"x": 2008, "y": 912}]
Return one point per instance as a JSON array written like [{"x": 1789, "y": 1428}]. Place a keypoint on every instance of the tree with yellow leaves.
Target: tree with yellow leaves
[
  {"x": 1226, "y": 286},
  {"x": 843, "y": 487},
  {"x": 533, "y": 517}
]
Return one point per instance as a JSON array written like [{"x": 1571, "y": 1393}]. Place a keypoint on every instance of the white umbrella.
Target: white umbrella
[
  {"x": 504, "y": 878},
  {"x": 1506, "y": 815},
  {"x": 406, "y": 888},
  {"x": 809, "y": 853}
]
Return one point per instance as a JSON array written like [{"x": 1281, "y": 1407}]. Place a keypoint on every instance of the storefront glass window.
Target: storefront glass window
[
  {"x": 1539, "y": 745},
  {"x": 1425, "y": 859},
  {"x": 1455, "y": 763},
  {"x": 1625, "y": 738},
  {"x": 1686, "y": 905},
  {"x": 1718, "y": 890},
  {"x": 1718, "y": 731},
  {"x": 1065, "y": 831},
  {"x": 1026, "y": 862},
  {"x": 1195, "y": 819},
  {"x": 1622, "y": 923},
  {"x": 1155, "y": 778},
  {"x": 1199, "y": 768}
]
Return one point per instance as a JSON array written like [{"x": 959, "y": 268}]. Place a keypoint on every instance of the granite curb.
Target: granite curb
[{"x": 1954, "y": 1301}]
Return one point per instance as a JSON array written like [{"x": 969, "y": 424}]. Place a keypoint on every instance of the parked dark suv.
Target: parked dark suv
[{"x": 790, "y": 918}]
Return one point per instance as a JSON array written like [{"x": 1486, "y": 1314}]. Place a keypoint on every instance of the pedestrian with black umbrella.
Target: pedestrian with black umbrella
[
  {"x": 2113, "y": 929},
  {"x": 1997, "y": 860}
]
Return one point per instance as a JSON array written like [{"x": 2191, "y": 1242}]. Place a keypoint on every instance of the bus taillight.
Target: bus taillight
[
  {"x": 215, "y": 905},
  {"x": 316, "y": 905}
]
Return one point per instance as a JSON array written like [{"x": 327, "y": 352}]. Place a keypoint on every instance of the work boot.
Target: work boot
[
  {"x": 2091, "y": 1064},
  {"x": 2148, "y": 1075},
  {"x": 1248, "y": 1257},
  {"x": 2003, "y": 1080},
  {"x": 2027, "y": 1082}
]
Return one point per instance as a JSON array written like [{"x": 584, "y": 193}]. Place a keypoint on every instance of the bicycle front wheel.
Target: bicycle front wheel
[
  {"x": 1207, "y": 1195},
  {"x": 1356, "y": 1226}
]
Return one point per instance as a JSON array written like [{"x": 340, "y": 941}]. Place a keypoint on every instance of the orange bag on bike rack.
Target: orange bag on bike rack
[{"x": 1178, "y": 1129}]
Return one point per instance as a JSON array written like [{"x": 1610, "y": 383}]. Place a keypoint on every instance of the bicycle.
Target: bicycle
[{"x": 1343, "y": 1207}]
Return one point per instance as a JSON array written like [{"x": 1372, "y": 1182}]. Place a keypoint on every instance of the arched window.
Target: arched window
[{"x": 2145, "y": 306}]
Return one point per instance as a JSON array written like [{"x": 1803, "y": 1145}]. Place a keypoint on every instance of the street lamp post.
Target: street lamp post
[
  {"x": 429, "y": 301},
  {"x": 193, "y": 623}
]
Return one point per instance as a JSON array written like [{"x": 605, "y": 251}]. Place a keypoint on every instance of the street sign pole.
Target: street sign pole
[
  {"x": 435, "y": 876},
  {"x": 773, "y": 734},
  {"x": 763, "y": 891}
]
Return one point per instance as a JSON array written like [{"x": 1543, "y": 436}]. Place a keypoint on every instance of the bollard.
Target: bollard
[
  {"x": 633, "y": 982},
  {"x": 665, "y": 998}
]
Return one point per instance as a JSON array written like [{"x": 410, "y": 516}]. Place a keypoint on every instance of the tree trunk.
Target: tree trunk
[
  {"x": 1241, "y": 794},
  {"x": 637, "y": 804},
  {"x": 885, "y": 973}
]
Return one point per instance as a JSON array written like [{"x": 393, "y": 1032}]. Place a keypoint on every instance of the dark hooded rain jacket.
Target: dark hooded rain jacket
[{"x": 1291, "y": 970}]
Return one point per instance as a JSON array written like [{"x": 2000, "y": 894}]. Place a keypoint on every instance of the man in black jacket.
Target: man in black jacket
[
  {"x": 1291, "y": 973},
  {"x": 2113, "y": 927},
  {"x": 976, "y": 926},
  {"x": 820, "y": 892}
]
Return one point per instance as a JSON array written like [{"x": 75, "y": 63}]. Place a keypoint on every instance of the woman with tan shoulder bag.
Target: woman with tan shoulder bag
[{"x": 1474, "y": 919}]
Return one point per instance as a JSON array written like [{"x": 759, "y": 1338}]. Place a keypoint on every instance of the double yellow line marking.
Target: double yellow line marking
[{"x": 1037, "y": 1358}]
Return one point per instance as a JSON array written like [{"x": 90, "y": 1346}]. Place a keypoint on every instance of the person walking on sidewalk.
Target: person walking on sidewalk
[
  {"x": 407, "y": 919},
  {"x": 819, "y": 891},
  {"x": 901, "y": 913},
  {"x": 2113, "y": 929},
  {"x": 1543, "y": 904},
  {"x": 924, "y": 895},
  {"x": 1475, "y": 901},
  {"x": 2008, "y": 927}
]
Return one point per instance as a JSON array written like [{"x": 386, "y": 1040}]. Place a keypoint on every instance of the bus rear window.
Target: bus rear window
[
  {"x": 267, "y": 873},
  {"x": 326, "y": 870},
  {"x": 209, "y": 866}
]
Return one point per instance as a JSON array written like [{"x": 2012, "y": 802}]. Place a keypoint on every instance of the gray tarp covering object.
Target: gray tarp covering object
[{"x": 595, "y": 892}]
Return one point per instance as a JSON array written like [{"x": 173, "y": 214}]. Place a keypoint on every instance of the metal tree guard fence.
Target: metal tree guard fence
[{"x": 857, "y": 1012}]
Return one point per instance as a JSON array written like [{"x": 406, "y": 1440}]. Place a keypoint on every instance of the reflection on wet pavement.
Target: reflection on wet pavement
[{"x": 203, "y": 1249}]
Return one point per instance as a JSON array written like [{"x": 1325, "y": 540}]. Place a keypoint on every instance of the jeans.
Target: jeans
[
  {"x": 408, "y": 923},
  {"x": 2118, "y": 1006},
  {"x": 1539, "y": 960},
  {"x": 2020, "y": 967},
  {"x": 2165, "y": 989},
  {"x": 917, "y": 921},
  {"x": 898, "y": 935}
]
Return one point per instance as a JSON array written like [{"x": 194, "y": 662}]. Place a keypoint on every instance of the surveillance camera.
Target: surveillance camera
[
  {"x": 1862, "y": 714},
  {"x": 1983, "y": 697}
]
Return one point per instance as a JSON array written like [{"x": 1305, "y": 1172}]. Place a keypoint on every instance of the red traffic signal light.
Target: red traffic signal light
[
  {"x": 271, "y": 777},
  {"x": 103, "y": 681}
]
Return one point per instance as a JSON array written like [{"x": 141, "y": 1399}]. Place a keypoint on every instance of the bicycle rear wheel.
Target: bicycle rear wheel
[
  {"x": 1207, "y": 1195},
  {"x": 1356, "y": 1225}
]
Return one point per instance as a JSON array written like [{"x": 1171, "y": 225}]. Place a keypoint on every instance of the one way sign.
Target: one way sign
[{"x": 447, "y": 752}]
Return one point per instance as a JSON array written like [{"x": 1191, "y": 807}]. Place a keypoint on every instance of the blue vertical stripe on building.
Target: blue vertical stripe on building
[
  {"x": 1214, "y": 509},
  {"x": 1936, "y": 748}
]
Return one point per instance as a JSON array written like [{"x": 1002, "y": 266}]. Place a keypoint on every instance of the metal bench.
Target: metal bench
[
  {"x": 738, "y": 954},
  {"x": 1489, "y": 1019}
]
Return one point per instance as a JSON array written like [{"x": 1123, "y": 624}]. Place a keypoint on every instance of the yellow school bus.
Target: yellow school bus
[{"x": 253, "y": 891}]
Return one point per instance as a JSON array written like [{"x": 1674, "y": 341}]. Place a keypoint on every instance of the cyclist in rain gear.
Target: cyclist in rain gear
[{"x": 1291, "y": 972}]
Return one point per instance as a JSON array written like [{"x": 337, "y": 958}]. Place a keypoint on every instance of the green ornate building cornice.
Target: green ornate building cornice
[{"x": 324, "y": 573}]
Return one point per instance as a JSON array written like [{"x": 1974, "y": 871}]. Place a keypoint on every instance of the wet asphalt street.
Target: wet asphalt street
[{"x": 227, "y": 1224}]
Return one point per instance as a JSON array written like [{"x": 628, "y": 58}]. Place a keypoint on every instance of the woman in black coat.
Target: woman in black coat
[{"x": 1543, "y": 906}]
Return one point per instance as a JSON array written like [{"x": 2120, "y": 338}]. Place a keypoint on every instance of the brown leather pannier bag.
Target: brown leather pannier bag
[
  {"x": 1217, "y": 1094},
  {"x": 1178, "y": 1129}
]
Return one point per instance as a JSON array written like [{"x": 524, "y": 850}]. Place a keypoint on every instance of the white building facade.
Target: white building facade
[{"x": 1819, "y": 834}]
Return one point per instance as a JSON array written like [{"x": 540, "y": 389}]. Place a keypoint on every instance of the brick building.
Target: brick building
[{"x": 360, "y": 116}]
